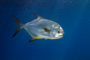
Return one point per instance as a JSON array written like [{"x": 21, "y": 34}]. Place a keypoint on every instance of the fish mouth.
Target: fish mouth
[{"x": 59, "y": 35}]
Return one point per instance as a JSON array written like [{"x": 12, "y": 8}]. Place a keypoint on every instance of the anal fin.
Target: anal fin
[{"x": 36, "y": 38}]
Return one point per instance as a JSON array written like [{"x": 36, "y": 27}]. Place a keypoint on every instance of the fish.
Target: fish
[{"x": 41, "y": 28}]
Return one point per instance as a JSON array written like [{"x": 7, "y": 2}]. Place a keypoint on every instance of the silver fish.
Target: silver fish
[{"x": 41, "y": 28}]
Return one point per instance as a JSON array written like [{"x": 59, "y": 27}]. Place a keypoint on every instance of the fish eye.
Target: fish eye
[{"x": 58, "y": 31}]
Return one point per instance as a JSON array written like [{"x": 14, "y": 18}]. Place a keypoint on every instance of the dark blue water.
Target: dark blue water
[{"x": 72, "y": 15}]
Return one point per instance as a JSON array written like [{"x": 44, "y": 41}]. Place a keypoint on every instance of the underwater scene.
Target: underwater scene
[{"x": 44, "y": 29}]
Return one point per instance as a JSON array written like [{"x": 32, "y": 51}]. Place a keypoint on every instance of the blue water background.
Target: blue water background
[{"x": 72, "y": 15}]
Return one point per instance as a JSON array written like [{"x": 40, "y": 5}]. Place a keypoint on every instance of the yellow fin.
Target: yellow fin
[
  {"x": 38, "y": 37},
  {"x": 39, "y": 17}
]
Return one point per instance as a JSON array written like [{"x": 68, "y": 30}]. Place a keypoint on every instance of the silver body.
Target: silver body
[{"x": 36, "y": 27}]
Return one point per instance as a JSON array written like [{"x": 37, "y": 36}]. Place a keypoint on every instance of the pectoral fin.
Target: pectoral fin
[
  {"x": 36, "y": 38},
  {"x": 47, "y": 30}
]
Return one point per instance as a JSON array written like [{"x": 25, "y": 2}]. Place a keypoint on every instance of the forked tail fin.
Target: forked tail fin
[{"x": 20, "y": 26}]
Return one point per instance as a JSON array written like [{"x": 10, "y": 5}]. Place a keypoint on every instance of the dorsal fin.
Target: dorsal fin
[{"x": 39, "y": 17}]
